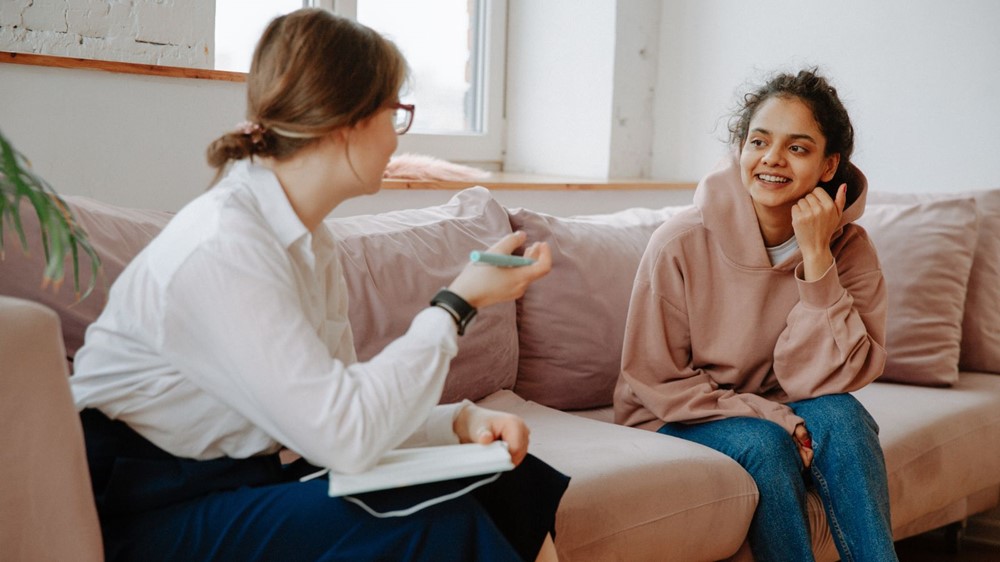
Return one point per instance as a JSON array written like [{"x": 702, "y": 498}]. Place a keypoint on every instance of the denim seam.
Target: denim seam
[{"x": 835, "y": 528}]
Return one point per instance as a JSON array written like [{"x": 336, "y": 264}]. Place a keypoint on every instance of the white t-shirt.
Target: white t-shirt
[
  {"x": 228, "y": 336},
  {"x": 783, "y": 251}
]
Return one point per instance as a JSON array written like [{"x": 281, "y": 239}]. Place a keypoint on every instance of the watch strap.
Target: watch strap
[{"x": 459, "y": 309}]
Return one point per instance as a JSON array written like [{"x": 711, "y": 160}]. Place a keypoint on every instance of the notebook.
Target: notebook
[{"x": 406, "y": 467}]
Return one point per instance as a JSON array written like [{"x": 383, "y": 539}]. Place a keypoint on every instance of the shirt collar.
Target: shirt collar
[{"x": 274, "y": 205}]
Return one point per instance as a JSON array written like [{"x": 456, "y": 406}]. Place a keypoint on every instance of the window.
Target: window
[
  {"x": 238, "y": 26},
  {"x": 455, "y": 49}
]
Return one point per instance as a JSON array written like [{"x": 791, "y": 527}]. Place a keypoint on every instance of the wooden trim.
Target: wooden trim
[
  {"x": 121, "y": 67},
  {"x": 509, "y": 181}
]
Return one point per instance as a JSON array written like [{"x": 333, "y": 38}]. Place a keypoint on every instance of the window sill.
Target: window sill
[
  {"x": 120, "y": 67},
  {"x": 532, "y": 182}
]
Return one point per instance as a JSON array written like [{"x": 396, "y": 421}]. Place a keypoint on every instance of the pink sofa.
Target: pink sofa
[{"x": 553, "y": 358}]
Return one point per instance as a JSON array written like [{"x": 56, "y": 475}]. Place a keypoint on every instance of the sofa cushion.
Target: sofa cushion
[
  {"x": 636, "y": 494},
  {"x": 571, "y": 323},
  {"x": 116, "y": 233},
  {"x": 394, "y": 263},
  {"x": 926, "y": 251},
  {"x": 940, "y": 444},
  {"x": 981, "y": 319}
]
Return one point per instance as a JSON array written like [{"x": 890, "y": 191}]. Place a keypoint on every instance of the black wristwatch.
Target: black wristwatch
[{"x": 461, "y": 311}]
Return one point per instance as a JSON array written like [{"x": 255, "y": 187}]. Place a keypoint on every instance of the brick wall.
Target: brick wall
[{"x": 167, "y": 32}]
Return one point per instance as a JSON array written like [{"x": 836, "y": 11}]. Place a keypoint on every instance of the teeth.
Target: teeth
[{"x": 774, "y": 179}]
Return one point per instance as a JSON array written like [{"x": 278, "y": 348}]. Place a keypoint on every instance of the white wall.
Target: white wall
[
  {"x": 133, "y": 140},
  {"x": 167, "y": 32},
  {"x": 560, "y": 80},
  {"x": 920, "y": 78},
  {"x": 581, "y": 79},
  {"x": 139, "y": 141}
]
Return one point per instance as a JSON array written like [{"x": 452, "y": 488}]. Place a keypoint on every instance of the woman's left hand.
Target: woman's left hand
[
  {"x": 480, "y": 425},
  {"x": 804, "y": 442},
  {"x": 815, "y": 218}
]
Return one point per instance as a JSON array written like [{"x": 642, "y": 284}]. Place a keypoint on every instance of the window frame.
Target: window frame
[{"x": 487, "y": 147}]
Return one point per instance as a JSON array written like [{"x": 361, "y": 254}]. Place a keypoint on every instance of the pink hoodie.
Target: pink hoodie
[{"x": 714, "y": 331}]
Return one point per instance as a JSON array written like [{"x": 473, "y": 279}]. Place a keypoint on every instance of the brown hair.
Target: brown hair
[{"x": 312, "y": 73}]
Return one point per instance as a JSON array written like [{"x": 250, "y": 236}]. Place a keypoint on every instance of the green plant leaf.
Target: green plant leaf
[{"x": 61, "y": 235}]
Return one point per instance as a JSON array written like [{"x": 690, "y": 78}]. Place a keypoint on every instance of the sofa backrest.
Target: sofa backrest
[
  {"x": 394, "y": 263},
  {"x": 561, "y": 345},
  {"x": 116, "y": 233}
]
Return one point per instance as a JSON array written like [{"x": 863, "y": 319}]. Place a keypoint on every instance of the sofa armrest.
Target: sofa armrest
[{"x": 48, "y": 507}]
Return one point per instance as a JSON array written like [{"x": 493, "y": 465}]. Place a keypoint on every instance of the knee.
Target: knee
[
  {"x": 768, "y": 452},
  {"x": 838, "y": 420},
  {"x": 835, "y": 414}
]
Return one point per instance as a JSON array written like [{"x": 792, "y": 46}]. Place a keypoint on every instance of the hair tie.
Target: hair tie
[
  {"x": 249, "y": 128},
  {"x": 255, "y": 132}
]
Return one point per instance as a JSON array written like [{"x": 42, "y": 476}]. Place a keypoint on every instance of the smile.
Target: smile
[{"x": 772, "y": 179}]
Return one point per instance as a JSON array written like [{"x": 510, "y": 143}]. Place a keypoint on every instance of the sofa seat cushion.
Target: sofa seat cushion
[
  {"x": 940, "y": 450},
  {"x": 822, "y": 540},
  {"x": 940, "y": 444},
  {"x": 634, "y": 494}
]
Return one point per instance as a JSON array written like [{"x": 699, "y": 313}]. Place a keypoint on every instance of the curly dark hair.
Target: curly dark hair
[{"x": 816, "y": 92}]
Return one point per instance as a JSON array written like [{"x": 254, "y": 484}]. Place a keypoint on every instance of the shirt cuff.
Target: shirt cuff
[
  {"x": 434, "y": 323},
  {"x": 823, "y": 292},
  {"x": 440, "y": 426}
]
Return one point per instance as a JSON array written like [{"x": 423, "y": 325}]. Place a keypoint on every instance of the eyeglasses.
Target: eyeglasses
[{"x": 403, "y": 118}]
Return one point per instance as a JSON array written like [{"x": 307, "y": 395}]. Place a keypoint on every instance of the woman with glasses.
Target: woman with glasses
[{"x": 227, "y": 338}]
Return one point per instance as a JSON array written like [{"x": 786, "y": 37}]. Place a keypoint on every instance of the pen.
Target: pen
[{"x": 499, "y": 260}]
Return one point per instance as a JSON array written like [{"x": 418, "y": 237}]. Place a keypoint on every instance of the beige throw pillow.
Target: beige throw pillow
[
  {"x": 981, "y": 320},
  {"x": 394, "y": 263},
  {"x": 926, "y": 250},
  {"x": 571, "y": 324}
]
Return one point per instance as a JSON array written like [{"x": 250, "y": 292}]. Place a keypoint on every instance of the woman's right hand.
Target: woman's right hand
[
  {"x": 804, "y": 442},
  {"x": 483, "y": 285}
]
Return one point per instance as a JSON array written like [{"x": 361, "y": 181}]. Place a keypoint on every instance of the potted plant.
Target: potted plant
[{"x": 60, "y": 233}]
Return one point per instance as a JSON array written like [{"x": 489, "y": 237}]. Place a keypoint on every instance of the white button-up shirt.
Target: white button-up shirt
[{"x": 228, "y": 336}]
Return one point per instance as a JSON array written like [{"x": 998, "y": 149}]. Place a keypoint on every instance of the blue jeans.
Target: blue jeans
[{"x": 848, "y": 471}]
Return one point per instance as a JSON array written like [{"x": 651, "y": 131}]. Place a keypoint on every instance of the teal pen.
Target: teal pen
[{"x": 499, "y": 260}]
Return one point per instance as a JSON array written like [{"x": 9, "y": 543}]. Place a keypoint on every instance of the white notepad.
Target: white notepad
[{"x": 406, "y": 467}]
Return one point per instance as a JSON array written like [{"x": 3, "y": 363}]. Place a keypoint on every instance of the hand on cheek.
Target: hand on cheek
[{"x": 815, "y": 218}]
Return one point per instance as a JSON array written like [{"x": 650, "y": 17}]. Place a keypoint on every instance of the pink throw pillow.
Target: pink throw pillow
[
  {"x": 926, "y": 250},
  {"x": 394, "y": 263},
  {"x": 571, "y": 323},
  {"x": 981, "y": 320},
  {"x": 116, "y": 233}
]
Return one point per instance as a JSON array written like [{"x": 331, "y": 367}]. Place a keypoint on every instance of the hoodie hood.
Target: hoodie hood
[{"x": 727, "y": 211}]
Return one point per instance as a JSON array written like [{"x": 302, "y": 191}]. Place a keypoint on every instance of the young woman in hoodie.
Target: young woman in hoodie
[{"x": 754, "y": 315}]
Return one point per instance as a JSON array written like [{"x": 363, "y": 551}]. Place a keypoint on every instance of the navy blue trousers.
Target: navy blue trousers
[{"x": 154, "y": 506}]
